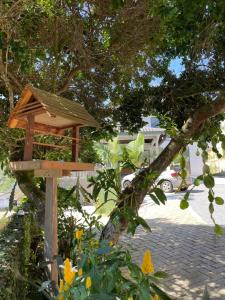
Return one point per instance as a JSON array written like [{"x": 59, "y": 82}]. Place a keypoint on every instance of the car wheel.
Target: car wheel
[
  {"x": 166, "y": 186},
  {"x": 126, "y": 184}
]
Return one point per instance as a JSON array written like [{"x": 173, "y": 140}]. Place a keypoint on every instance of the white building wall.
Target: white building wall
[{"x": 196, "y": 163}]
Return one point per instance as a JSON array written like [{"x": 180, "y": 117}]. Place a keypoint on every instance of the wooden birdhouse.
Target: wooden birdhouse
[
  {"x": 40, "y": 112},
  {"x": 43, "y": 113}
]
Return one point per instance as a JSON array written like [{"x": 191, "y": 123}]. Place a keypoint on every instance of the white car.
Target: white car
[{"x": 169, "y": 180}]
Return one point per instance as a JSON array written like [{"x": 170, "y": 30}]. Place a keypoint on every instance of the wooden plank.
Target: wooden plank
[
  {"x": 28, "y": 147},
  {"x": 31, "y": 112},
  {"x": 71, "y": 166},
  {"x": 39, "y": 127},
  {"x": 48, "y": 165},
  {"x": 51, "y": 223},
  {"x": 75, "y": 145},
  {"x": 51, "y": 145},
  {"x": 12, "y": 123},
  {"x": 48, "y": 173},
  {"x": 25, "y": 165},
  {"x": 31, "y": 104},
  {"x": 25, "y": 97},
  {"x": 57, "y": 135},
  {"x": 28, "y": 107}
]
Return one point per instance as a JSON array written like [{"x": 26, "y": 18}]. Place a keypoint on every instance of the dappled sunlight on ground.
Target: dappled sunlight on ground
[{"x": 183, "y": 246}]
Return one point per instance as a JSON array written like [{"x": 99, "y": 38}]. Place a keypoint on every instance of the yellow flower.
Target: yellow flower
[
  {"x": 111, "y": 244},
  {"x": 147, "y": 265},
  {"x": 130, "y": 298},
  {"x": 61, "y": 288},
  {"x": 79, "y": 233},
  {"x": 88, "y": 282},
  {"x": 156, "y": 297},
  {"x": 69, "y": 273},
  {"x": 80, "y": 272}
]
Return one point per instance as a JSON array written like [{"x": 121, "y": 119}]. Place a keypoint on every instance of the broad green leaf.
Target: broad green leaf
[
  {"x": 184, "y": 204},
  {"x": 219, "y": 201},
  {"x": 218, "y": 229},
  {"x": 115, "y": 151},
  {"x": 143, "y": 223},
  {"x": 160, "y": 195},
  {"x": 209, "y": 181},
  {"x": 135, "y": 149},
  {"x": 144, "y": 293},
  {"x": 154, "y": 198}
]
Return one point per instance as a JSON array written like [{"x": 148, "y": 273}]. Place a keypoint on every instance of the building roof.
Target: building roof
[{"x": 49, "y": 109}]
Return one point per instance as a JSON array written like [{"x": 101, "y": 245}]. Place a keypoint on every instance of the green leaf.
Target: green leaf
[
  {"x": 219, "y": 201},
  {"x": 209, "y": 181},
  {"x": 184, "y": 204},
  {"x": 160, "y": 274},
  {"x": 206, "y": 169},
  {"x": 135, "y": 149},
  {"x": 218, "y": 229},
  {"x": 206, "y": 294},
  {"x": 144, "y": 293},
  {"x": 160, "y": 195},
  {"x": 211, "y": 196},
  {"x": 154, "y": 198},
  {"x": 211, "y": 208},
  {"x": 197, "y": 181},
  {"x": 143, "y": 223},
  {"x": 162, "y": 295}
]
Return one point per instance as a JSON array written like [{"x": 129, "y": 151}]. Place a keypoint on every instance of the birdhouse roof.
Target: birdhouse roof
[{"x": 49, "y": 111}]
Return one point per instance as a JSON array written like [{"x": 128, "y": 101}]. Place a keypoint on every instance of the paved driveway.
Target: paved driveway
[{"x": 184, "y": 245}]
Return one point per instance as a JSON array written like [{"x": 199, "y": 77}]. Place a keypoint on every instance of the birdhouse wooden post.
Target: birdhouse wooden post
[{"x": 43, "y": 113}]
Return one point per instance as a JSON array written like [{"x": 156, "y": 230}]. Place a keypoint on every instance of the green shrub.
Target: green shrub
[{"x": 15, "y": 243}]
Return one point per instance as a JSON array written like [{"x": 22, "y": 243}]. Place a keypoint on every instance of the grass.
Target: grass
[{"x": 107, "y": 207}]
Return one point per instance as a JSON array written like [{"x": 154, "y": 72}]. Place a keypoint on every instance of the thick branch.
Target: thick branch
[
  {"x": 68, "y": 80},
  {"x": 134, "y": 196}
]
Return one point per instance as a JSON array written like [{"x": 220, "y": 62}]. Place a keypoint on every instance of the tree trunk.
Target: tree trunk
[
  {"x": 134, "y": 195},
  {"x": 26, "y": 183}
]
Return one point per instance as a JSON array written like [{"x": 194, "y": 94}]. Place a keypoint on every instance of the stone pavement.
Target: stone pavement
[{"x": 183, "y": 246}]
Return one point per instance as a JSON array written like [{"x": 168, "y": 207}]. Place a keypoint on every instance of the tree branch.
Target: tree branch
[
  {"x": 68, "y": 80},
  {"x": 134, "y": 195}
]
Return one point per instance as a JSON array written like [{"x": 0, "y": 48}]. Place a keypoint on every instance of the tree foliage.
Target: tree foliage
[{"x": 117, "y": 58}]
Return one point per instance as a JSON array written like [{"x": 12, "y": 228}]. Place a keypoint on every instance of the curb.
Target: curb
[
  {"x": 219, "y": 180},
  {"x": 196, "y": 216}
]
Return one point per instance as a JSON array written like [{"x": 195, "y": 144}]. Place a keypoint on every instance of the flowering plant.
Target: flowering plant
[{"x": 99, "y": 270}]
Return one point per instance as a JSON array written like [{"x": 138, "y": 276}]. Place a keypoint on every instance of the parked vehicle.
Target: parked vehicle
[{"x": 169, "y": 180}]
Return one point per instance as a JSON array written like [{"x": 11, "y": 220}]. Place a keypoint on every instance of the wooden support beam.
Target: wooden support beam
[
  {"x": 28, "y": 147},
  {"x": 56, "y": 134},
  {"x": 51, "y": 223},
  {"x": 75, "y": 145},
  {"x": 51, "y": 173},
  {"x": 51, "y": 145},
  {"x": 50, "y": 165},
  {"x": 36, "y": 112}
]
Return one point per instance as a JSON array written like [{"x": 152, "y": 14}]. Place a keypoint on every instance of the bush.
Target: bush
[{"x": 15, "y": 243}]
